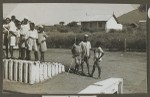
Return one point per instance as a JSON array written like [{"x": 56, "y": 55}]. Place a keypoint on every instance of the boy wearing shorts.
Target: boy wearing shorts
[
  {"x": 32, "y": 42},
  {"x": 42, "y": 42},
  {"x": 76, "y": 52},
  {"x": 18, "y": 31},
  {"x": 25, "y": 27},
  {"x": 98, "y": 54},
  {"x": 6, "y": 35},
  {"x": 12, "y": 35}
]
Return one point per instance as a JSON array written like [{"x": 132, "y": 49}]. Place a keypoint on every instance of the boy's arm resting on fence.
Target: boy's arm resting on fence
[
  {"x": 5, "y": 29},
  {"x": 13, "y": 33}
]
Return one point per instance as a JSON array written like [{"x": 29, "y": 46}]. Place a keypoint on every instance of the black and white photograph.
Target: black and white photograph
[{"x": 74, "y": 48}]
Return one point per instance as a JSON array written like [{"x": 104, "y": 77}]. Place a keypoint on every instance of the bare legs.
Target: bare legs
[
  {"x": 86, "y": 60},
  {"x": 96, "y": 64}
]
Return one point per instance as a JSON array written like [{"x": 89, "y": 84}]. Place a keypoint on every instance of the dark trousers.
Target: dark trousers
[
  {"x": 23, "y": 53},
  {"x": 6, "y": 49}
]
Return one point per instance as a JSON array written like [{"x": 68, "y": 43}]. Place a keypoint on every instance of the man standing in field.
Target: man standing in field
[{"x": 85, "y": 54}]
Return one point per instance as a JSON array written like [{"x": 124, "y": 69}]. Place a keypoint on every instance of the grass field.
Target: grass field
[{"x": 131, "y": 66}]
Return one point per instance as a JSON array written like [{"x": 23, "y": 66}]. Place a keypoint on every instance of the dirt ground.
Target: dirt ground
[{"x": 131, "y": 66}]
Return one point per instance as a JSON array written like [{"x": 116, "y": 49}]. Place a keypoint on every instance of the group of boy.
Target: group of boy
[
  {"x": 28, "y": 38},
  {"x": 81, "y": 55},
  {"x": 24, "y": 35}
]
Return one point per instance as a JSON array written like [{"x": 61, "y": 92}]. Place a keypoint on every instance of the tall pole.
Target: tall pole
[{"x": 125, "y": 45}]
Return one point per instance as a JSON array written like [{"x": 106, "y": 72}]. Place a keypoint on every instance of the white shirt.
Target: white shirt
[
  {"x": 12, "y": 26},
  {"x": 33, "y": 34},
  {"x": 85, "y": 46},
  {"x": 24, "y": 29}
]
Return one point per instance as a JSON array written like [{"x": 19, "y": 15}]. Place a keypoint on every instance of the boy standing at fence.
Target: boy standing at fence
[
  {"x": 12, "y": 35},
  {"x": 18, "y": 31},
  {"x": 42, "y": 42},
  {"x": 25, "y": 27},
  {"x": 98, "y": 54},
  {"x": 32, "y": 42},
  {"x": 76, "y": 52},
  {"x": 6, "y": 34}
]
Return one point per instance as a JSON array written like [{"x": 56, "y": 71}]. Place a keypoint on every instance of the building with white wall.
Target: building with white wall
[{"x": 100, "y": 23}]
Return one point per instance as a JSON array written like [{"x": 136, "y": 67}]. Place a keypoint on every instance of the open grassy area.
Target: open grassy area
[{"x": 131, "y": 66}]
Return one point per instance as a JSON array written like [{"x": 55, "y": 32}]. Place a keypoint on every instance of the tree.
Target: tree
[
  {"x": 142, "y": 8},
  {"x": 72, "y": 24},
  {"x": 62, "y": 23}
]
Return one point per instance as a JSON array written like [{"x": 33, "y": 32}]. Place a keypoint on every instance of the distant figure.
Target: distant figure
[
  {"x": 98, "y": 54},
  {"x": 6, "y": 36},
  {"x": 42, "y": 42},
  {"x": 76, "y": 52},
  {"x": 85, "y": 54},
  {"x": 12, "y": 35},
  {"x": 32, "y": 42}
]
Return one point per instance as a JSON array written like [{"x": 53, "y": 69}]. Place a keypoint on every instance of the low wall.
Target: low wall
[{"x": 30, "y": 71}]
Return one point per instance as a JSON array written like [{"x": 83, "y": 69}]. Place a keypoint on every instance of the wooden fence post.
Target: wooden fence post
[{"x": 15, "y": 70}]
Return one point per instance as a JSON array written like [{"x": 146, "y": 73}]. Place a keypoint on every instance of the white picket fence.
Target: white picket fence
[{"x": 30, "y": 71}]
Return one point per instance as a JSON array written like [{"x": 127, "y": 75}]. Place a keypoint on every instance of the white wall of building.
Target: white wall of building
[{"x": 112, "y": 24}]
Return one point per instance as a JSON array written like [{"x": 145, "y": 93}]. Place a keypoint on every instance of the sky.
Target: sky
[{"x": 53, "y": 13}]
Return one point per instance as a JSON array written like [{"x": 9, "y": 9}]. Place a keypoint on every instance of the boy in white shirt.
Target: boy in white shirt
[
  {"x": 32, "y": 42},
  {"x": 98, "y": 54},
  {"x": 6, "y": 35},
  {"x": 12, "y": 35}
]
